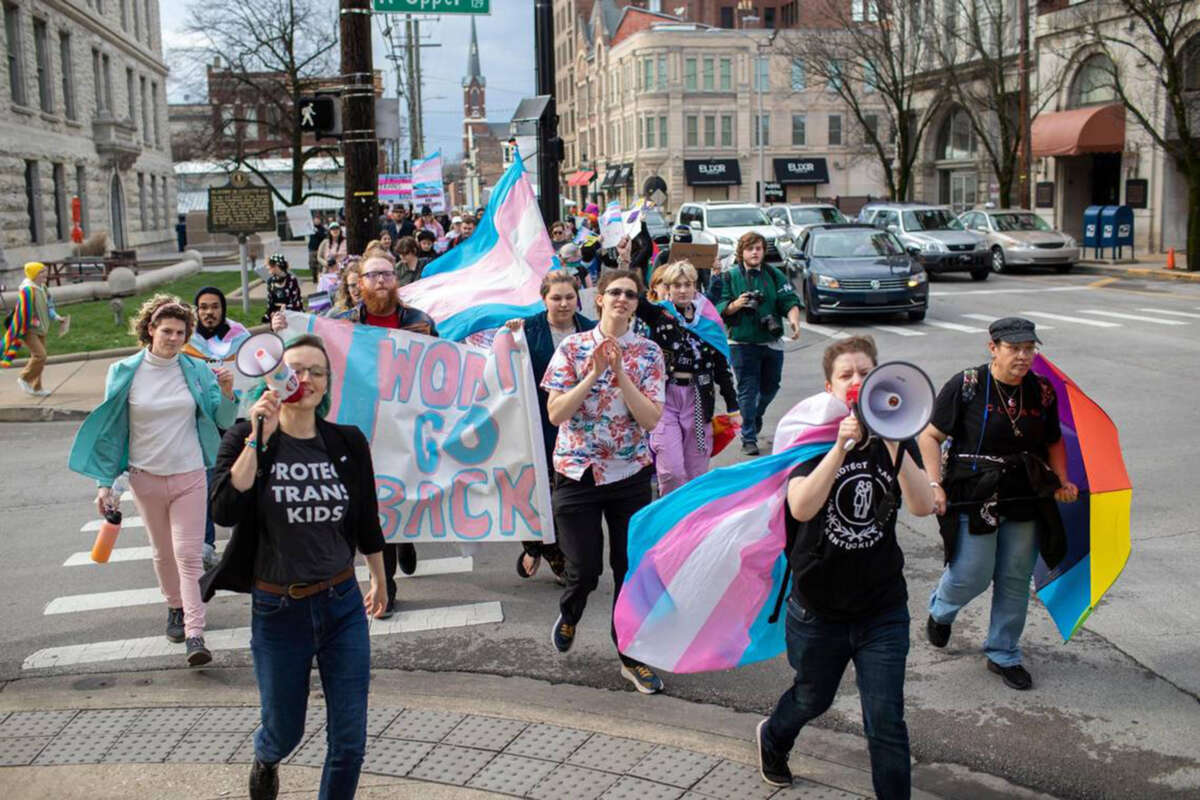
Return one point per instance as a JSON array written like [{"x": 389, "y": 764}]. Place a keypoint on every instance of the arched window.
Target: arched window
[
  {"x": 956, "y": 138},
  {"x": 1191, "y": 65},
  {"x": 1093, "y": 83}
]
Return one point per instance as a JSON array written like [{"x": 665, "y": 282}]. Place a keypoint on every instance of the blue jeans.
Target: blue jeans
[
  {"x": 819, "y": 651},
  {"x": 210, "y": 531},
  {"x": 1004, "y": 559},
  {"x": 285, "y": 634},
  {"x": 758, "y": 369}
]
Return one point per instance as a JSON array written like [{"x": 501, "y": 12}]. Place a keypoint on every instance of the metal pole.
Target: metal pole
[
  {"x": 360, "y": 147},
  {"x": 1024, "y": 180},
  {"x": 758, "y": 76},
  {"x": 242, "y": 257},
  {"x": 543, "y": 39},
  {"x": 417, "y": 87}
]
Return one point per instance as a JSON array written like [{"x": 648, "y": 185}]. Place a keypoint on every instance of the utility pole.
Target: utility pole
[
  {"x": 416, "y": 87},
  {"x": 360, "y": 148},
  {"x": 548, "y": 142},
  {"x": 1025, "y": 178},
  {"x": 414, "y": 116}
]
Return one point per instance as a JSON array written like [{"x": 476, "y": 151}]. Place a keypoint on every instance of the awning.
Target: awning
[
  {"x": 801, "y": 170},
  {"x": 1097, "y": 129},
  {"x": 712, "y": 172},
  {"x": 581, "y": 178},
  {"x": 626, "y": 175},
  {"x": 610, "y": 177}
]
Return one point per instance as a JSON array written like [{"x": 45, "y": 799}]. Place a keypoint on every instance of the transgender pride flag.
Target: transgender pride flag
[
  {"x": 496, "y": 274},
  {"x": 707, "y": 561}
]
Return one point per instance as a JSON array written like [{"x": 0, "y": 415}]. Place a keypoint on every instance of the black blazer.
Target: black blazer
[{"x": 351, "y": 456}]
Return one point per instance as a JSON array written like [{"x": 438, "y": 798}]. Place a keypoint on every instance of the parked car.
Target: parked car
[
  {"x": 944, "y": 244},
  {"x": 794, "y": 218},
  {"x": 723, "y": 223},
  {"x": 858, "y": 269},
  {"x": 657, "y": 226},
  {"x": 1016, "y": 237}
]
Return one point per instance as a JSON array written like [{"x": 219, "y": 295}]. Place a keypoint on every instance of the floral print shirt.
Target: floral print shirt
[{"x": 603, "y": 433}]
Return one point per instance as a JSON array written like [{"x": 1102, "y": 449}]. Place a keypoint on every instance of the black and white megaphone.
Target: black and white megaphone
[
  {"x": 894, "y": 402},
  {"x": 261, "y": 356}
]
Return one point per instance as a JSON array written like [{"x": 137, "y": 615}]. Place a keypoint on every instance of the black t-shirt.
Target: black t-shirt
[
  {"x": 846, "y": 562},
  {"x": 302, "y": 513},
  {"x": 1034, "y": 407}
]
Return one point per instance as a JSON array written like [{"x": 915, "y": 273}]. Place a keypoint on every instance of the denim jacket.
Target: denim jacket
[{"x": 101, "y": 447}]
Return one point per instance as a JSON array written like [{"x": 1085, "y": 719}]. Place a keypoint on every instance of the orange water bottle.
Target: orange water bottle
[{"x": 107, "y": 537}]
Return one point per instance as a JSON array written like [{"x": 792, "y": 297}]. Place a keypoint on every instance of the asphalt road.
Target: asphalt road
[{"x": 1113, "y": 714}]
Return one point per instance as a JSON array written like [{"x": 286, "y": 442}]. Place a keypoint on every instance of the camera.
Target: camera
[
  {"x": 755, "y": 297},
  {"x": 771, "y": 325}
]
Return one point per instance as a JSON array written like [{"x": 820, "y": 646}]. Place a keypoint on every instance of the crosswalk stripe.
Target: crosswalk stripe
[
  {"x": 1038, "y": 289},
  {"x": 896, "y": 329},
  {"x": 84, "y": 557},
  {"x": 129, "y": 522},
  {"x": 412, "y": 621},
  {"x": 1064, "y": 318},
  {"x": 125, "y": 598},
  {"x": 953, "y": 326},
  {"x": 989, "y": 318},
  {"x": 1134, "y": 317},
  {"x": 1171, "y": 313},
  {"x": 824, "y": 330}
]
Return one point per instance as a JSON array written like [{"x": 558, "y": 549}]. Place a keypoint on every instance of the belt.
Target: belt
[
  {"x": 298, "y": 591},
  {"x": 681, "y": 381}
]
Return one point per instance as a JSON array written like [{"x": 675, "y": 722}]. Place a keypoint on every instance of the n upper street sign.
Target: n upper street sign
[{"x": 433, "y": 6}]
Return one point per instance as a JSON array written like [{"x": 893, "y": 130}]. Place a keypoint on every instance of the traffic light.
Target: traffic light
[{"x": 319, "y": 115}]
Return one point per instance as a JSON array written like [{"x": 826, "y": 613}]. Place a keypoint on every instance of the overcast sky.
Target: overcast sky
[{"x": 505, "y": 54}]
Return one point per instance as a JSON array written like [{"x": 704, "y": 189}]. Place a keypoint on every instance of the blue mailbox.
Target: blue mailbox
[
  {"x": 1116, "y": 229},
  {"x": 1091, "y": 227}
]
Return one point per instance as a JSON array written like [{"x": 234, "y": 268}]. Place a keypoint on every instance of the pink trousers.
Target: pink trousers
[
  {"x": 677, "y": 459},
  {"x": 173, "y": 507}
]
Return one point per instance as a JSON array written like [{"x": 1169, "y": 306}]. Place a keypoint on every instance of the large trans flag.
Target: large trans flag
[
  {"x": 707, "y": 561},
  {"x": 496, "y": 274}
]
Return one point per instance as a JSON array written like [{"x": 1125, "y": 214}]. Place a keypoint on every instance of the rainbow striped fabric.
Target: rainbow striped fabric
[
  {"x": 1097, "y": 524},
  {"x": 707, "y": 561},
  {"x": 496, "y": 274}
]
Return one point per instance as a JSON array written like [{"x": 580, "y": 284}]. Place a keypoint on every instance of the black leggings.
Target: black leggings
[{"x": 578, "y": 508}]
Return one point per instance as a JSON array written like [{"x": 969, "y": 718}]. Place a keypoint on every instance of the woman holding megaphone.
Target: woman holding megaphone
[{"x": 299, "y": 492}]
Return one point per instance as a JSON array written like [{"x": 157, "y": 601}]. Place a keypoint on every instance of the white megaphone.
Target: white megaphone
[
  {"x": 261, "y": 356},
  {"x": 894, "y": 402}
]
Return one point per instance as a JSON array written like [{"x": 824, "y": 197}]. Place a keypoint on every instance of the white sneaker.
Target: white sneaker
[
  {"x": 42, "y": 392},
  {"x": 210, "y": 557},
  {"x": 26, "y": 388}
]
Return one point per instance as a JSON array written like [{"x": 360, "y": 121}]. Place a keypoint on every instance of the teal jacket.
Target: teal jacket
[{"x": 101, "y": 447}]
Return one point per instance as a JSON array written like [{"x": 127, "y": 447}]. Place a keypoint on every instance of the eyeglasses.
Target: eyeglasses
[
  {"x": 313, "y": 372},
  {"x": 384, "y": 276},
  {"x": 628, "y": 294},
  {"x": 1023, "y": 349}
]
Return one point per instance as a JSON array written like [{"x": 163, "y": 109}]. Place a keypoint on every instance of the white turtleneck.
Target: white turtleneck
[{"x": 162, "y": 419}]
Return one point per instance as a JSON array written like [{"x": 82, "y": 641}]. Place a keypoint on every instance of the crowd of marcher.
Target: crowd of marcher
[{"x": 628, "y": 370}]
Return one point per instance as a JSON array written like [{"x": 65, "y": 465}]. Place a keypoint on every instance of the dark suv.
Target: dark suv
[{"x": 858, "y": 269}]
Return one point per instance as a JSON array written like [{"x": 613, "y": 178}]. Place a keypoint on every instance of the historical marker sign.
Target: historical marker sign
[
  {"x": 248, "y": 209},
  {"x": 433, "y": 6}
]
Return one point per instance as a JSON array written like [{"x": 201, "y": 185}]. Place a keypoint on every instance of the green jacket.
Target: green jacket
[
  {"x": 778, "y": 298},
  {"x": 101, "y": 447}
]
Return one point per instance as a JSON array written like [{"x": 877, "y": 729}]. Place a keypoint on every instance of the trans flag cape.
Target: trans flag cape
[
  {"x": 706, "y": 323},
  {"x": 496, "y": 274},
  {"x": 707, "y": 561}
]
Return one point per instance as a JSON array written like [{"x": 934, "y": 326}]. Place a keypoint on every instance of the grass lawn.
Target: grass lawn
[{"x": 92, "y": 325}]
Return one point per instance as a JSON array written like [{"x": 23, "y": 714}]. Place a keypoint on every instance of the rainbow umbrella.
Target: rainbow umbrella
[{"x": 1097, "y": 524}]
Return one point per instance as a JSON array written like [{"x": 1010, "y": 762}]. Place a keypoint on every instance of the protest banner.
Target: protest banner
[
  {"x": 612, "y": 225},
  {"x": 395, "y": 187},
  {"x": 698, "y": 255},
  {"x": 300, "y": 220},
  {"x": 428, "y": 188},
  {"x": 455, "y": 435}
]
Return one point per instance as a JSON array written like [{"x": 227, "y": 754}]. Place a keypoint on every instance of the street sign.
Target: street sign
[
  {"x": 433, "y": 6},
  {"x": 240, "y": 210}
]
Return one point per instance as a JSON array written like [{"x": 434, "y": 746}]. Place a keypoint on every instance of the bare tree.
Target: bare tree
[
  {"x": 275, "y": 51},
  {"x": 1156, "y": 58},
  {"x": 871, "y": 53},
  {"x": 978, "y": 64}
]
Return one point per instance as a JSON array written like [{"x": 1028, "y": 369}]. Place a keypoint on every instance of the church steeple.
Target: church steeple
[
  {"x": 474, "y": 106},
  {"x": 473, "y": 72}
]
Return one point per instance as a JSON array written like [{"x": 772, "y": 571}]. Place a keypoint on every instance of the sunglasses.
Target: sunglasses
[{"x": 628, "y": 294}]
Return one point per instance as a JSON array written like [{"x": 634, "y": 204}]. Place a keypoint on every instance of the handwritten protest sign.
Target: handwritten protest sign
[{"x": 455, "y": 435}]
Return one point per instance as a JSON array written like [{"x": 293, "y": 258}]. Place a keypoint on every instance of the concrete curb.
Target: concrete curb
[
  {"x": 41, "y": 414},
  {"x": 1142, "y": 273}
]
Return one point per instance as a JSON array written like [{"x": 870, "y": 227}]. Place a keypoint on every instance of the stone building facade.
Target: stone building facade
[{"x": 83, "y": 113}]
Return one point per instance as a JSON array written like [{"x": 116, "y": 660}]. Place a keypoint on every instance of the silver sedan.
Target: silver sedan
[{"x": 1016, "y": 237}]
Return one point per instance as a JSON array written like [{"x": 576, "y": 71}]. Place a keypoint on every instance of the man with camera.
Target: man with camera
[{"x": 755, "y": 297}]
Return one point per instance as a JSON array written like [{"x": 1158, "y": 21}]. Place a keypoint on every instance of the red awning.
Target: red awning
[
  {"x": 581, "y": 178},
  {"x": 1098, "y": 129}
]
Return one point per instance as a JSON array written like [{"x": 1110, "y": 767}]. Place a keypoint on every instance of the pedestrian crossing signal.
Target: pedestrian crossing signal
[{"x": 318, "y": 114}]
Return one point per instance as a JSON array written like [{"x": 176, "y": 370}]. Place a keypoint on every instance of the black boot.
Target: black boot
[{"x": 264, "y": 781}]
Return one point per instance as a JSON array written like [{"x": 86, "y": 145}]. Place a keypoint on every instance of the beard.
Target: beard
[{"x": 380, "y": 302}]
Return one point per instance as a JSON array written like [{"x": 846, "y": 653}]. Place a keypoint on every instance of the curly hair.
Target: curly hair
[
  {"x": 157, "y": 308},
  {"x": 343, "y": 300},
  {"x": 748, "y": 239}
]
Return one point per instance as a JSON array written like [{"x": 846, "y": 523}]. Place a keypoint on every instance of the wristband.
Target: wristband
[{"x": 251, "y": 442}]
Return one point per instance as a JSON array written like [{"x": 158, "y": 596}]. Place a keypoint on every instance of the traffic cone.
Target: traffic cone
[{"x": 1170, "y": 258}]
